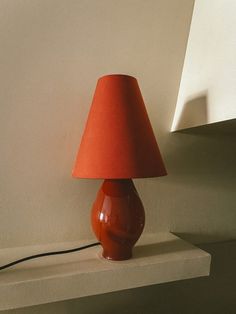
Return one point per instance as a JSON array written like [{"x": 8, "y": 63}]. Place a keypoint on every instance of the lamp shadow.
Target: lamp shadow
[
  {"x": 154, "y": 249},
  {"x": 194, "y": 112}
]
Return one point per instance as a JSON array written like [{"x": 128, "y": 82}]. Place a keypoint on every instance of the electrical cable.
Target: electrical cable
[{"x": 47, "y": 254}]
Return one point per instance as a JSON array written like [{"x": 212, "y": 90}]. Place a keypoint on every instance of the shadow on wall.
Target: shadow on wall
[
  {"x": 201, "y": 238},
  {"x": 194, "y": 112},
  {"x": 203, "y": 156},
  {"x": 160, "y": 248}
]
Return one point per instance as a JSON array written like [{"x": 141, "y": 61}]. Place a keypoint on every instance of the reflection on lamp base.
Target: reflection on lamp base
[{"x": 117, "y": 218}]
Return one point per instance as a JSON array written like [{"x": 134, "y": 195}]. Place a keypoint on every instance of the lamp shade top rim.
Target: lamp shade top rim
[
  {"x": 118, "y": 177},
  {"x": 118, "y": 75}
]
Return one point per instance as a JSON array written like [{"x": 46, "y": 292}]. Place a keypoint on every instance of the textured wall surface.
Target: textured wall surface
[{"x": 52, "y": 53}]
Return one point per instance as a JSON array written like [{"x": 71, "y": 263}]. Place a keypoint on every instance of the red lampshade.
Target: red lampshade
[{"x": 118, "y": 140}]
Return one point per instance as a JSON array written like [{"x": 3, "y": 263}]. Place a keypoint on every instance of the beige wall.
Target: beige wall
[{"x": 52, "y": 53}]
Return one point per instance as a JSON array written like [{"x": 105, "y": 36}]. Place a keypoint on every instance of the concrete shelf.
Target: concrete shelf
[{"x": 158, "y": 258}]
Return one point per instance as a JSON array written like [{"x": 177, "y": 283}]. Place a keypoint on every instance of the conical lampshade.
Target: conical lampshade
[{"x": 118, "y": 140}]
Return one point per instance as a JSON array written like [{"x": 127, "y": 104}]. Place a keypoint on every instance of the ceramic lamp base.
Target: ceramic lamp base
[{"x": 117, "y": 218}]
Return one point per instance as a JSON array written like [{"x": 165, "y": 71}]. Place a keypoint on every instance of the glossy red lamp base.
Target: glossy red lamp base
[{"x": 118, "y": 218}]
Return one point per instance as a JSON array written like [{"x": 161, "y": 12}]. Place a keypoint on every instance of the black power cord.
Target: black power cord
[{"x": 47, "y": 254}]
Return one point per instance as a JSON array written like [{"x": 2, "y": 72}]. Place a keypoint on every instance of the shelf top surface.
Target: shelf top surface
[{"x": 156, "y": 258}]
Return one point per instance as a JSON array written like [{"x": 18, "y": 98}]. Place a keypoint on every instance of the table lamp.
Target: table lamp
[{"x": 118, "y": 144}]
